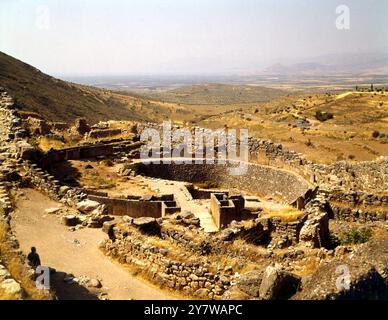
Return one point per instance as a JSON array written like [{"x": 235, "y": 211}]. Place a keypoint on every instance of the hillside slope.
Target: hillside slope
[
  {"x": 59, "y": 100},
  {"x": 357, "y": 131}
]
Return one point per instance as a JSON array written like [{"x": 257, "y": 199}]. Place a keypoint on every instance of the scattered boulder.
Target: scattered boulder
[
  {"x": 250, "y": 283},
  {"x": 187, "y": 218},
  {"x": 127, "y": 219},
  {"x": 12, "y": 288},
  {"x": 63, "y": 190},
  {"x": 87, "y": 206},
  {"x": 277, "y": 284},
  {"x": 52, "y": 210},
  {"x": 94, "y": 283},
  {"x": 234, "y": 293},
  {"x": 4, "y": 274},
  {"x": 202, "y": 293},
  {"x": 108, "y": 226},
  {"x": 102, "y": 209},
  {"x": 70, "y": 220}
]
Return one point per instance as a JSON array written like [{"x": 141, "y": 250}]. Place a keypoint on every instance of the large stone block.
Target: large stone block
[
  {"x": 250, "y": 283},
  {"x": 278, "y": 284}
]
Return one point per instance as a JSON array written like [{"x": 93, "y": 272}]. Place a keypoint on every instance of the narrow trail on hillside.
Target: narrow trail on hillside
[{"x": 74, "y": 253}]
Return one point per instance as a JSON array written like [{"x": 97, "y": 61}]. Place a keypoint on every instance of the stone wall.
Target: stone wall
[
  {"x": 191, "y": 276},
  {"x": 367, "y": 176},
  {"x": 259, "y": 179},
  {"x": 199, "y": 193},
  {"x": 87, "y": 152},
  {"x": 46, "y": 183},
  {"x": 358, "y": 206},
  {"x": 132, "y": 208},
  {"x": 224, "y": 209},
  {"x": 103, "y": 133},
  {"x": 11, "y": 132}
]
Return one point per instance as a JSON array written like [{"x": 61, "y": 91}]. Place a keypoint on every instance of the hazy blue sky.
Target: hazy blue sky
[{"x": 183, "y": 36}]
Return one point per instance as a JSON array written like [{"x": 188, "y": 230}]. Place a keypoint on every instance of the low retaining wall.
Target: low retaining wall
[
  {"x": 352, "y": 206},
  {"x": 87, "y": 152},
  {"x": 132, "y": 208},
  {"x": 103, "y": 133}
]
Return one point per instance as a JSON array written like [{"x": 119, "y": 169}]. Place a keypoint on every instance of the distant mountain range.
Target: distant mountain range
[{"x": 361, "y": 63}]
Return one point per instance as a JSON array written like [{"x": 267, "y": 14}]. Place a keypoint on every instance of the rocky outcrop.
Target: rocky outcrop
[
  {"x": 88, "y": 206},
  {"x": 355, "y": 273},
  {"x": 277, "y": 284},
  {"x": 250, "y": 282},
  {"x": 9, "y": 287}
]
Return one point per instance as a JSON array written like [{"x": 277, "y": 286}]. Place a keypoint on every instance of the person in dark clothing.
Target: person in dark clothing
[{"x": 33, "y": 258}]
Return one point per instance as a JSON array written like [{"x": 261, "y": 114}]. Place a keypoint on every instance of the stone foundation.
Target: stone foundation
[{"x": 190, "y": 276}]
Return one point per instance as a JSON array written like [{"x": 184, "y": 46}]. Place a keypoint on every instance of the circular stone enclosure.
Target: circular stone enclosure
[{"x": 258, "y": 179}]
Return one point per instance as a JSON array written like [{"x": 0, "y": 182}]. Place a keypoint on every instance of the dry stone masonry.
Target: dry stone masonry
[{"x": 11, "y": 133}]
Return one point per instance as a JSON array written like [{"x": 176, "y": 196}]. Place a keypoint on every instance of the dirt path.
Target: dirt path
[
  {"x": 345, "y": 94},
  {"x": 74, "y": 252}
]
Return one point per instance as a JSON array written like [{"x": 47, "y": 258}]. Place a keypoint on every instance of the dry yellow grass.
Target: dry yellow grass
[
  {"x": 286, "y": 214},
  {"x": 307, "y": 267},
  {"x": 16, "y": 267},
  {"x": 45, "y": 144},
  {"x": 96, "y": 181},
  {"x": 348, "y": 136}
]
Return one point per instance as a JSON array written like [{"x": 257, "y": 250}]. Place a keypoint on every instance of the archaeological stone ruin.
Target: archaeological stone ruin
[{"x": 250, "y": 236}]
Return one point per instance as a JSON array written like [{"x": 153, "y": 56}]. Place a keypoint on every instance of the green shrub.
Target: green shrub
[
  {"x": 357, "y": 236},
  {"x": 323, "y": 116}
]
